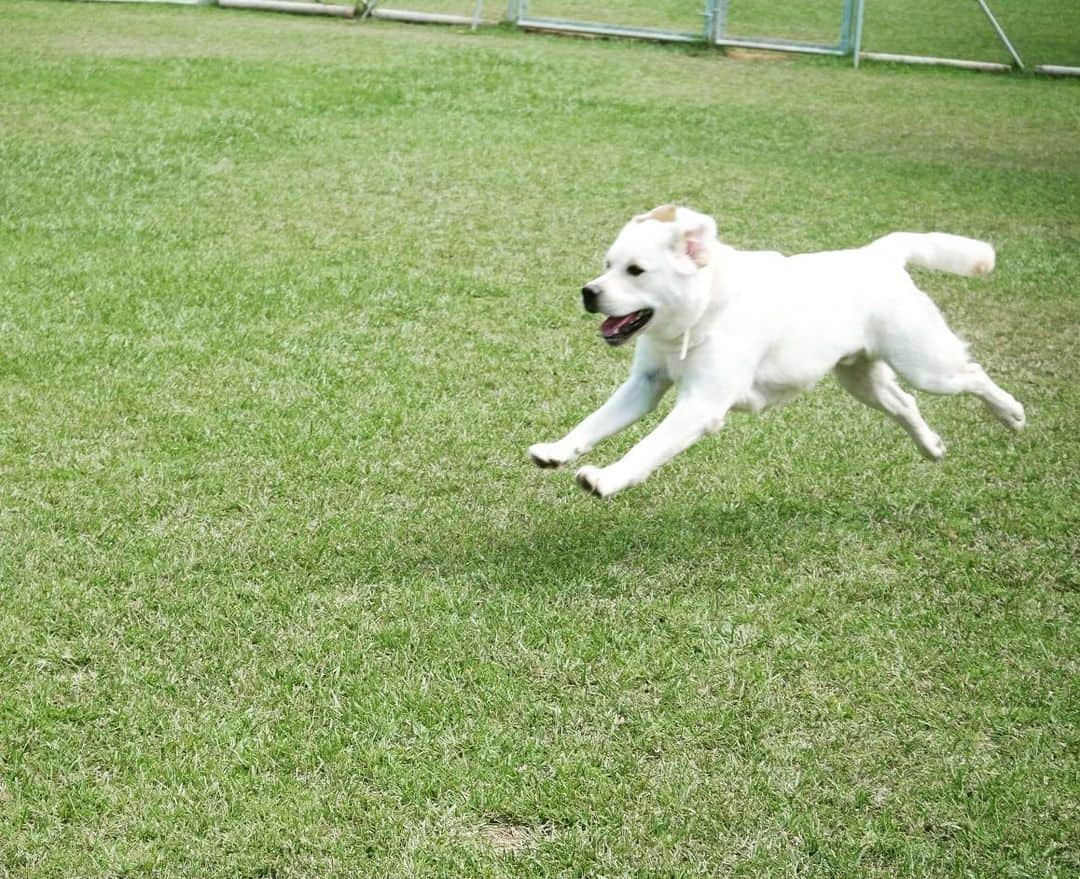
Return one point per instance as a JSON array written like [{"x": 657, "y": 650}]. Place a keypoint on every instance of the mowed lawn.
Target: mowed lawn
[{"x": 282, "y": 303}]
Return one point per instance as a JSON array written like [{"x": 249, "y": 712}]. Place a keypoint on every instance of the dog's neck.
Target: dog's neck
[{"x": 709, "y": 298}]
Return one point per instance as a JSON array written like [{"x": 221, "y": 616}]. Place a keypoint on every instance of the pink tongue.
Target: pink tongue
[{"x": 612, "y": 324}]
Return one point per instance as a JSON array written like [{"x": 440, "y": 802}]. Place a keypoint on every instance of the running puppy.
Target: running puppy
[{"x": 746, "y": 330}]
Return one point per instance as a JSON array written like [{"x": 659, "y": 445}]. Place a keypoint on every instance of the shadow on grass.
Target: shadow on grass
[{"x": 608, "y": 543}]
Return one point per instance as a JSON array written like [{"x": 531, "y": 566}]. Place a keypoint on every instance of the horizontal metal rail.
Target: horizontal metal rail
[
  {"x": 169, "y": 2},
  {"x": 289, "y": 6},
  {"x": 423, "y": 17},
  {"x": 780, "y": 46},
  {"x": 1057, "y": 69},
  {"x": 597, "y": 29},
  {"x": 930, "y": 60}
]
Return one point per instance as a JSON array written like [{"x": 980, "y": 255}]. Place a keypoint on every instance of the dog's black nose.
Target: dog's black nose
[{"x": 588, "y": 299}]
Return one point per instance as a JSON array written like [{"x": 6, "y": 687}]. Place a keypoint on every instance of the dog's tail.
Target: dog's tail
[{"x": 939, "y": 251}]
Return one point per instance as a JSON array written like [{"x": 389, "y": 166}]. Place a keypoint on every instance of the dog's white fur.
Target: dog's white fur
[{"x": 763, "y": 327}]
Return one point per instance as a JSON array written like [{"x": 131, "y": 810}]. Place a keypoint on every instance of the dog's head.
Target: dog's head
[{"x": 651, "y": 280}]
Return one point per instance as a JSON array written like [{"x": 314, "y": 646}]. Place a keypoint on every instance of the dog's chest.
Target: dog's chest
[
  {"x": 675, "y": 367},
  {"x": 752, "y": 380}
]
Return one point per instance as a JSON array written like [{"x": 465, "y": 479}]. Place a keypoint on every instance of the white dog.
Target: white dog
[{"x": 747, "y": 330}]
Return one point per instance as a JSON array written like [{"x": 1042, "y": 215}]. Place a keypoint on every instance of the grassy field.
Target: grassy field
[{"x": 282, "y": 303}]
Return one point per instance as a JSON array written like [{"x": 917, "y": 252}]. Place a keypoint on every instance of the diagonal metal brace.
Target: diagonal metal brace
[{"x": 1001, "y": 33}]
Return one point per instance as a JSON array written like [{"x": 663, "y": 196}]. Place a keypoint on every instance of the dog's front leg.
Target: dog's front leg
[
  {"x": 635, "y": 398},
  {"x": 689, "y": 421}
]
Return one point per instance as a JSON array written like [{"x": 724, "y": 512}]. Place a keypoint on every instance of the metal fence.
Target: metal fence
[
  {"x": 822, "y": 27},
  {"x": 979, "y": 34},
  {"x": 819, "y": 27}
]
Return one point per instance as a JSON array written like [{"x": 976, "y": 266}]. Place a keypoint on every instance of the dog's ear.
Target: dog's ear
[
  {"x": 664, "y": 214},
  {"x": 693, "y": 240}
]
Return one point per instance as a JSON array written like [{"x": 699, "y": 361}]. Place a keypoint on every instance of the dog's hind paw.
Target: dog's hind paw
[
  {"x": 1016, "y": 418},
  {"x": 1010, "y": 413}
]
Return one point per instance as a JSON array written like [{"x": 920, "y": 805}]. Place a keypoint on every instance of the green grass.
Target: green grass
[{"x": 283, "y": 301}]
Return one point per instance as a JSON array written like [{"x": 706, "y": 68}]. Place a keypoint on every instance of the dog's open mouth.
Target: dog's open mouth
[{"x": 617, "y": 330}]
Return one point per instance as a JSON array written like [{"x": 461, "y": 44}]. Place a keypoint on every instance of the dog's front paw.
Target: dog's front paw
[
  {"x": 932, "y": 446},
  {"x": 549, "y": 455},
  {"x": 598, "y": 481},
  {"x": 1014, "y": 417}
]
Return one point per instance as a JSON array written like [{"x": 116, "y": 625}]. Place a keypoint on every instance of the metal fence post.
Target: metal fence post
[
  {"x": 719, "y": 22},
  {"x": 845, "y": 27},
  {"x": 710, "y": 17},
  {"x": 857, "y": 47}
]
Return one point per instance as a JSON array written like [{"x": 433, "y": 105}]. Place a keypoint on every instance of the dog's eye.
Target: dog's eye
[{"x": 634, "y": 270}]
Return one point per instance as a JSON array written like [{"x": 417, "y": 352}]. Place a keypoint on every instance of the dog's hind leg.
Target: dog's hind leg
[
  {"x": 928, "y": 354},
  {"x": 970, "y": 378},
  {"x": 874, "y": 383}
]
